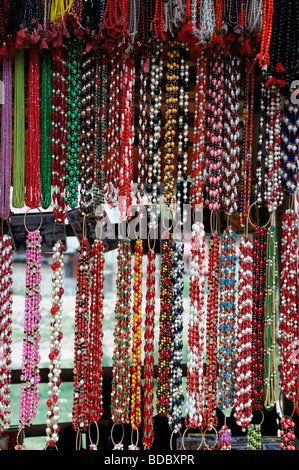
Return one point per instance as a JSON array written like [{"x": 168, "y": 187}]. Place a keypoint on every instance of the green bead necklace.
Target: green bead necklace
[{"x": 46, "y": 125}]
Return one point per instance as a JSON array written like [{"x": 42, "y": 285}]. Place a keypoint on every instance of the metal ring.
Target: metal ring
[
  {"x": 211, "y": 224},
  {"x": 216, "y": 437},
  {"x": 98, "y": 432},
  {"x": 123, "y": 434},
  {"x": 132, "y": 434},
  {"x": 281, "y": 408},
  {"x": 171, "y": 437},
  {"x": 148, "y": 241},
  {"x": 78, "y": 441},
  {"x": 41, "y": 221},
  {"x": 249, "y": 219},
  {"x": 22, "y": 428},
  {"x": 183, "y": 439}
]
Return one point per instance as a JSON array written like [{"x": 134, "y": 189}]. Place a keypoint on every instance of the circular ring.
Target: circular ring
[
  {"x": 151, "y": 248},
  {"x": 22, "y": 428},
  {"x": 78, "y": 441},
  {"x": 216, "y": 437},
  {"x": 163, "y": 225},
  {"x": 183, "y": 440},
  {"x": 137, "y": 436},
  {"x": 263, "y": 417},
  {"x": 98, "y": 432},
  {"x": 41, "y": 220},
  {"x": 84, "y": 227},
  {"x": 101, "y": 231},
  {"x": 137, "y": 221},
  {"x": 122, "y": 437},
  {"x": 171, "y": 437},
  {"x": 55, "y": 447},
  {"x": 211, "y": 223},
  {"x": 281, "y": 407},
  {"x": 249, "y": 218}
]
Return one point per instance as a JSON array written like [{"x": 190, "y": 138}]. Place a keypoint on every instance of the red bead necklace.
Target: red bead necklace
[{"x": 116, "y": 18}]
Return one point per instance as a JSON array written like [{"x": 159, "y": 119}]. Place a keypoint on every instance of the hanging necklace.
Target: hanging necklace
[
  {"x": 176, "y": 347},
  {"x": 6, "y": 301},
  {"x": 260, "y": 159},
  {"x": 98, "y": 193},
  {"x": 32, "y": 180},
  {"x": 148, "y": 386},
  {"x": 154, "y": 152},
  {"x": 121, "y": 376},
  {"x": 94, "y": 392},
  {"x": 243, "y": 400},
  {"x": 163, "y": 383},
  {"x": 287, "y": 434},
  {"x": 196, "y": 328},
  {"x": 214, "y": 126},
  {"x": 59, "y": 132},
  {"x": 6, "y": 141},
  {"x": 253, "y": 441},
  {"x": 198, "y": 152},
  {"x": 289, "y": 147},
  {"x": 45, "y": 127},
  {"x": 254, "y": 16},
  {"x": 226, "y": 322},
  {"x": 142, "y": 136},
  {"x": 210, "y": 379},
  {"x": 88, "y": 131},
  {"x": 73, "y": 122},
  {"x": 271, "y": 313},
  {"x": 79, "y": 412},
  {"x": 116, "y": 18},
  {"x": 54, "y": 380},
  {"x": 231, "y": 126},
  {"x": 263, "y": 56},
  {"x": 30, "y": 377}
]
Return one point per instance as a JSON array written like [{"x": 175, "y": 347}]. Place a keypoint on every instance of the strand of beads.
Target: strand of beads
[
  {"x": 94, "y": 392},
  {"x": 226, "y": 321},
  {"x": 87, "y": 130},
  {"x": 32, "y": 166},
  {"x": 73, "y": 123},
  {"x": 163, "y": 383},
  {"x": 121, "y": 376},
  {"x": 254, "y": 436},
  {"x": 196, "y": 328},
  {"x": 198, "y": 153},
  {"x": 171, "y": 100},
  {"x": 45, "y": 127},
  {"x": 142, "y": 135},
  {"x": 183, "y": 139},
  {"x": 243, "y": 400},
  {"x": 135, "y": 415},
  {"x": 287, "y": 434},
  {"x": 271, "y": 312},
  {"x": 59, "y": 132},
  {"x": 273, "y": 186},
  {"x": 288, "y": 311},
  {"x": 224, "y": 439},
  {"x": 154, "y": 144},
  {"x": 30, "y": 377},
  {"x": 260, "y": 158},
  {"x": 258, "y": 320},
  {"x": 176, "y": 326},
  {"x": 79, "y": 415},
  {"x": 289, "y": 147},
  {"x": 6, "y": 301},
  {"x": 148, "y": 386},
  {"x": 54, "y": 380},
  {"x": 231, "y": 126},
  {"x": 214, "y": 126},
  {"x": 210, "y": 379},
  {"x": 98, "y": 193}
]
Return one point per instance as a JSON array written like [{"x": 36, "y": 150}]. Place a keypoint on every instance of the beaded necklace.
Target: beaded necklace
[
  {"x": 154, "y": 152},
  {"x": 18, "y": 176},
  {"x": 231, "y": 126},
  {"x": 288, "y": 310},
  {"x": 287, "y": 434},
  {"x": 198, "y": 153},
  {"x": 148, "y": 386},
  {"x": 6, "y": 301},
  {"x": 158, "y": 23},
  {"x": 196, "y": 328},
  {"x": 171, "y": 100},
  {"x": 73, "y": 123},
  {"x": 32, "y": 179},
  {"x": 210, "y": 379},
  {"x": 259, "y": 278},
  {"x": 176, "y": 326},
  {"x": 204, "y": 27},
  {"x": 98, "y": 194},
  {"x": 214, "y": 127},
  {"x": 121, "y": 376},
  {"x": 59, "y": 132},
  {"x": 224, "y": 439},
  {"x": 135, "y": 415},
  {"x": 6, "y": 140},
  {"x": 54, "y": 380},
  {"x": 289, "y": 147},
  {"x": 243, "y": 400},
  {"x": 79, "y": 412},
  {"x": 94, "y": 392},
  {"x": 30, "y": 376},
  {"x": 116, "y": 18},
  {"x": 45, "y": 127},
  {"x": 163, "y": 382},
  {"x": 260, "y": 159},
  {"x": 271, "y": 312},
  {"x": 253, "y": 441},
  {"x": 88, "y": 134},
  {"x": 142, "y": 136},
  {"x": 254, "y": 16},
  {"x": 263, "y": 56},
  {"x": 226, "y": 321}
]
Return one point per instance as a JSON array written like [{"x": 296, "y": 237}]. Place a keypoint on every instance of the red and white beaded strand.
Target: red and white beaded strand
[
  {"x": 6, "y": 301},
  {"x": 54, "y": 380}
]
